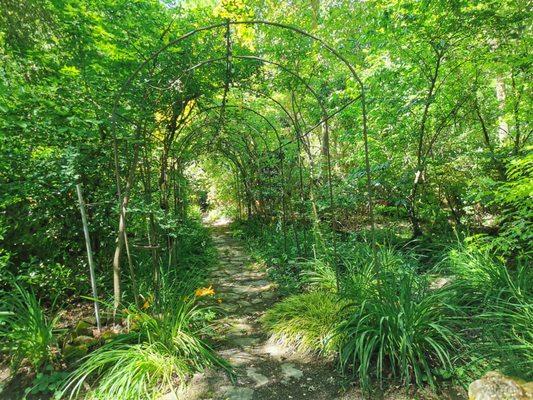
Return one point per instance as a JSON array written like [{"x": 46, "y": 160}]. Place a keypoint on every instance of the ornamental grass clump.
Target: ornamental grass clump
[
  {"x": 164, "y": 345},
  {"x": 27, "y": 333},
  {"x": 405, "y": 331},
  {"x": 305, "y": 322}
]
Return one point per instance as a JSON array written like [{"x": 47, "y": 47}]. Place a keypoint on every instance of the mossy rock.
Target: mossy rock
[
  {"x": 83, "y": 328},
  {"x": 75, "y": 352},
  {"x": 85, "y": 340},
  {"x": 107, "y": 335},
  {"x": 496, "y": 386}
]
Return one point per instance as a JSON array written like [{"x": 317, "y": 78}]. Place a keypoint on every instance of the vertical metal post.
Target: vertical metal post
[{"x": 89, "y": 254}]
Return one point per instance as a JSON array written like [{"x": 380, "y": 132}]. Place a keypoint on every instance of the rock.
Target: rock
[
  {"x": 243, "y": 341},
  {"x": 72, "y": 352},
  {"x": 261, "y": 282},
  {"x": 237, "y": 357},
  {"x": 239, "y": 393},
  {"x": 258, "y": 378},
  {"x": 268, "y": 295},
  {"x": 83, "y": 328},
  {"x": 91, "y": 319},
  {"x": 495, "y": 386},
  {"x": 289, "y": 371},
  {"x": 85, "y": 340},
  {"x": 439, "y": 283}
]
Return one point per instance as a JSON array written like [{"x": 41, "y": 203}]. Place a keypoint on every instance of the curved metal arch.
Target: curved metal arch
[
  {"x": 191, "y": 135},
  {"x": 246, "y": 88},
  {"x": 198, "y": 144},
  {"x": 246, "y": 109},
  {"x": 324, "y": 44},
  {"x": 265, "y": 61}
]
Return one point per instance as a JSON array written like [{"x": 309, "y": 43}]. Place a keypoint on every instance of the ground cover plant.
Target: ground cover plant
[{"x": 160, "y": 349}]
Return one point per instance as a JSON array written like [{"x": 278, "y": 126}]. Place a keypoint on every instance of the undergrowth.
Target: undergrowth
[{"x": 390, "y": 316}]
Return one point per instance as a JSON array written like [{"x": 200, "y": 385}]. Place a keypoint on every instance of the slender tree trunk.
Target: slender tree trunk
[
  {"x": 126, "y": 243},
  {"x": 122, "y": 229},
  {"x": 503, "y": 127},
  {"x": 419, "y": 173}
]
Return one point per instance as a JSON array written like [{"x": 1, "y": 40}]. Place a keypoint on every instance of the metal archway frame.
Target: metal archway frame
[{"x": 286, "y": 27}]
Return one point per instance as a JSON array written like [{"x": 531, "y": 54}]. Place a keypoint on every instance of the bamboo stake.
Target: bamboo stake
[{"x": 89, "y": 254}]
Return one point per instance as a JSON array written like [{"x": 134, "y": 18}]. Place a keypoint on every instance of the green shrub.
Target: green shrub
[
  {"x": 319, "y": 274},
  {"x": 130, "y": 371},
  {"x": 478, "y": 275},
  {"x": 405, "y": 330},
  {"x": 26, "y": 332},
  {"x": 52, "y": 281},
  {"x": 481, "y": 279},
  {"x": 508, "y": 336},
  {"x": 305, "y": 321},
  {"x": 161, "y": 348},
  {"x": 357, "y": 270}
]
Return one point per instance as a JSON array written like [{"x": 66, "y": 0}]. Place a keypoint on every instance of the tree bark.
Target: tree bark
[{"x": 121, "y": 231}]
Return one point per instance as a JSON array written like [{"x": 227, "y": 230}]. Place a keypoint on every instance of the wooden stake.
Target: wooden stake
[{"x": 89, "y": 254}]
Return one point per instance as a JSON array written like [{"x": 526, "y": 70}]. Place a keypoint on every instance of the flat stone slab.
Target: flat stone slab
[
  {"x": 237, "y": 357},
  {"x": 268, "y": 295},
  {"x": 243, "y": 341},
  {"x": 289, "y": 372},
  {"x": 239, "y": 393},
  {"x": 257, "y": 377}
]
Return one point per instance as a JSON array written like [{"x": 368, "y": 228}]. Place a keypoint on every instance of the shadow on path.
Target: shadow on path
[{"x": 264, "y": 369}]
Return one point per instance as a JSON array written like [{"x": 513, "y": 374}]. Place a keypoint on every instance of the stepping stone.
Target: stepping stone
[
  {"x": 240, "y": 289},
  {"x": 258, "y": 378},
  {"x": 237, "y": 357},
  {"x": 229, "y": 308},
  {"x": 243, "y": 341},
  {"x": 261, "y": 282},
  {"x": 268, "y": 295},
  {"x": 289, "y": 372},
  {"x": 229, "y": 296},
  {"x": 244, "y": 303},
  {"x": 239, "y": 393},
  {"x": 239, "y": 326}
]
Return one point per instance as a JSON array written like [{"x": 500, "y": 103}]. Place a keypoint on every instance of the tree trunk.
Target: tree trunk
[{"x": 122, "y": 231}]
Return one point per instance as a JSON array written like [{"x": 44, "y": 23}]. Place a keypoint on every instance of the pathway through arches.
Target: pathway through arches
[{"x": 264, "y": 370}]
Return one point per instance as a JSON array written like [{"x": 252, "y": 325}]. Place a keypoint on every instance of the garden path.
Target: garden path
[{"x": 264, "y": 370}]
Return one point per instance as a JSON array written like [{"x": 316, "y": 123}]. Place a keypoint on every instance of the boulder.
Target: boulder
[{"x": 496, "y": 386}]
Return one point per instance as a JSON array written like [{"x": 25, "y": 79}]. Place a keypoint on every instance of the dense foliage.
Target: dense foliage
[{"x": 376, "y": 157}]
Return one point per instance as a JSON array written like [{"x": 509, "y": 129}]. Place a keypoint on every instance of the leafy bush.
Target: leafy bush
[
  {"x": 195, "y": 248},
  {"x": 305, "y": 321},
  {"x": 357, "y": 269},
  {"x": 405, "y": 329},
  {"x": 27, "y": 333},
  {"x": 52, "y": 281},
  {"x": 47, "y": 383},
  {"x": 319, "y": 274},
  {"x": 281, "y": 250},
  {"x": 514, "y": 197},
  {"x": 161, "y": 348},
  {"x": 130, "y": 371}
]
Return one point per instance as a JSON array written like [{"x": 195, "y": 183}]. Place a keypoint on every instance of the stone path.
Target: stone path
[{"x": 264, "y": 369}]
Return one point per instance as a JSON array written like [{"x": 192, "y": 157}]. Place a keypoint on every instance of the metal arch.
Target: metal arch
[
  {"x": 245, "y": 109},
  {"x": 261, "y": 60},
  {"x": 324, "y": 44}
]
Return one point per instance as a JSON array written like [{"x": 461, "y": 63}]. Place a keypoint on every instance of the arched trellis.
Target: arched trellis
[{"x": 228, "y": 59}]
